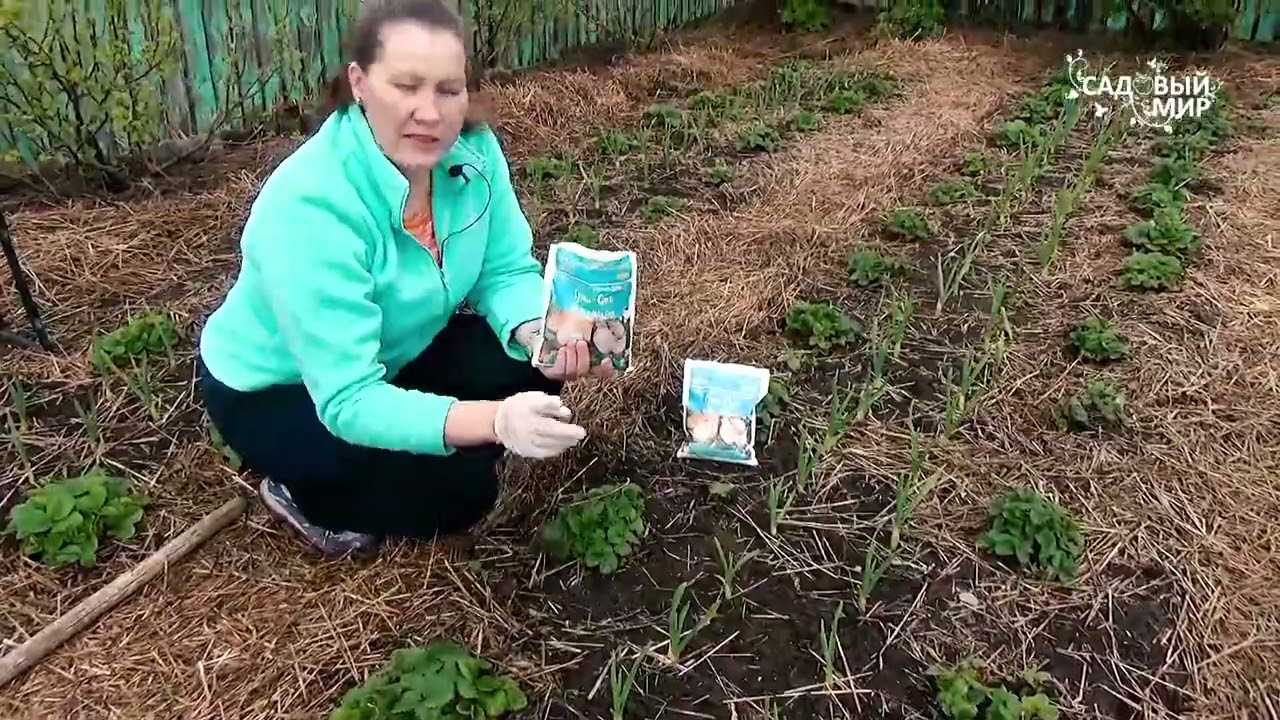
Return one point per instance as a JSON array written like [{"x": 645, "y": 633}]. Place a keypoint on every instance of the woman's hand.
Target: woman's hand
[{"x": 573, "y": 362}]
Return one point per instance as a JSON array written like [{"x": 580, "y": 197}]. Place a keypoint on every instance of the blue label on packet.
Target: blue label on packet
[
  {"x": 594, "y": 287},
  {"x": 723, "y": 391}
]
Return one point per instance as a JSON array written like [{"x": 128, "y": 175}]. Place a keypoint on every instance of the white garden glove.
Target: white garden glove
[{"x": 532, "y": 424}]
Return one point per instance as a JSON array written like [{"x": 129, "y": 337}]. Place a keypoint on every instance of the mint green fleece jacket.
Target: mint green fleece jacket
[{"x": 333, "y": 292}]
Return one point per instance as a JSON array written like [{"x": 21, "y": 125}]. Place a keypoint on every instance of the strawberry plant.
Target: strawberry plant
[
  {"x": 719, "y": 173},
  {"x": 910, "y": 224},
  {"x": 659, "y": 206},
  {"x": 548, "y": 168},
  {"x": 821, "y": 325},
  {"x": 1035, "y": 531},
  {"x": 664, "y": 116},
  {"x": 758, "y": 137},
  {"x": 1151, "y": 271},
  {"x": 440, "y": 682},
  {"x": 963, "y": 695},
  {"x": 616, "y": 143},
  {"x": 1097, "y": 339},
  {"x": 770, "y": 408},
  {"x": 974, "y": 165},
  {"x": 1167, "y": 232},
  {"x": 1173, "y": 172},
  {"x": 949, "y": 191},
  {"x": 145, "y": 336},
  {"x": 582, "y": 234},
  {"x": 600, "y": 529},
  {"x": 867, "y": 268},
  {"x": 1102, "y": 404},
  {"x": 804, "y": 121},
  {"x": 65, "y": 521},
  {"x": 1017, "y": 133},
  {"x": 846, "y": 101},
  {"x": 1153, "y": 196}
]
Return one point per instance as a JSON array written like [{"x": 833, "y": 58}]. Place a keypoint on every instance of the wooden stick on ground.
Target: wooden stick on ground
[{"x": 23, "y": 657}]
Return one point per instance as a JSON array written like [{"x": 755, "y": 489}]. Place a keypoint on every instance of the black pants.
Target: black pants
[{"x": 340, "y": 486}]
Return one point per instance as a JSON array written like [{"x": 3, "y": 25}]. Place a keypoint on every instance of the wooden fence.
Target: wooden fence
[{"x": 236, "y": 60}]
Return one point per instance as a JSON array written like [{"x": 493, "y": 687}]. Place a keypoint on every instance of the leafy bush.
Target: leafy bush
[
  {"x": 821, "y": 325},
  {"x": 868, "y": 267},
  {"x": 145, "y": 336},
  {"x": 1098, "y": 340},
  {"x": 440, "y": 682},
  {"x": 600, "y": 529},
  {"x": 1167, "y": 232},
  {"x": 759, "y": 137},
  {"x": 664, "y": 116},
  {"x": 65, "y": 521},
  {"x": 1101, "y": 405},
  {"x": 1035, "y": 531},
  {"x": 1173, "y": 172},
  {"x": 1151, "y": 271},
  {"x": 909, "y": 223},
  {"x": 548, "y": 168}
]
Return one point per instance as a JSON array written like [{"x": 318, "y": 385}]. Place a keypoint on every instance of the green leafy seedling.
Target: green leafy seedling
[
  {"x": 909, "y": 223},
  {"x": 616, "y": 143},
  {"x": 953, "y": 191},
  {"x": 1018, "y": 133},
  {"x": 667, "y": 117},
  {"x": 875, "y": 85},
  {"x": 65, "y": 521},
  {"x": 143, "y": 337},
  {"x": 868, "y": 268},
  {"x": 714, "y": 107},
  {"x": 961, "y": 693},
  {"x": 821, "y": 325},
  {"x": 1167, "y": 232},
  {"x": 719, "y": 174},
  {"x": 548, "y": 168},
  {"x": 1153, "y": 196},
  {"x": 601, "y": 529},
  {"x": 1173, "y": 172},
  {"x": 1102, "y": 404},
  {"x": 804, "y": 121},
  {"x": 660, "y": 206},
  {"x": 974, "y": 165},
  {"x": 1151, "y": 271},
  {"x": 1035, "y": 531},
  {"x": 1096, "y": 339},
  {"x": 806, "y": 15},
  {"x": 440, "y": 682},
  {"x": 582, "y": 234},
  {"x": 846, "y": 101},
  {"x": 759, "y": 138}
]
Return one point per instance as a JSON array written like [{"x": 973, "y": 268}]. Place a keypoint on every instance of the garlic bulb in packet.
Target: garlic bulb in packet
[
  {"x": 720, "y": 401},
  {"x": 590, "y": 295}
]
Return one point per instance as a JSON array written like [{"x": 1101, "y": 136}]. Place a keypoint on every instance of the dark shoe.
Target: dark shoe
[{"x": 278, "y": 500}]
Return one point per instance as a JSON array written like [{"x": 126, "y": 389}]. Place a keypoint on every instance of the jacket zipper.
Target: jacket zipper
[{"x": 438, "y": 265}]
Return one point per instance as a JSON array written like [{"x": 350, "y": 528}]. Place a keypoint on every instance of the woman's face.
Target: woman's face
[{"x": 414, "y": 93}]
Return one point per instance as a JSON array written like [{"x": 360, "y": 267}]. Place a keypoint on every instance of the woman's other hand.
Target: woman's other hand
[{"x": 573, "y": 361}]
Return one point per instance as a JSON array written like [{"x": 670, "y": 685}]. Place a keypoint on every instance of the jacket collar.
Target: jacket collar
[{"x": 393, "y": 186}]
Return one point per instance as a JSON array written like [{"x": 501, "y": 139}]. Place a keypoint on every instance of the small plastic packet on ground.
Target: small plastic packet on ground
[
  {"x": 588, "y": 295},
  {"x": 720, "y": 401}
]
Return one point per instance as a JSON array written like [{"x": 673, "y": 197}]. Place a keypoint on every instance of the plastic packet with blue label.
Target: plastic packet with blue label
[
  {"x": 720, "y": 401},
  {"x": 590, "y": 295}
]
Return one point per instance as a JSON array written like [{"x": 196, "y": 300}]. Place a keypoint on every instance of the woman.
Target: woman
[{"x": 372, "y": 359}]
